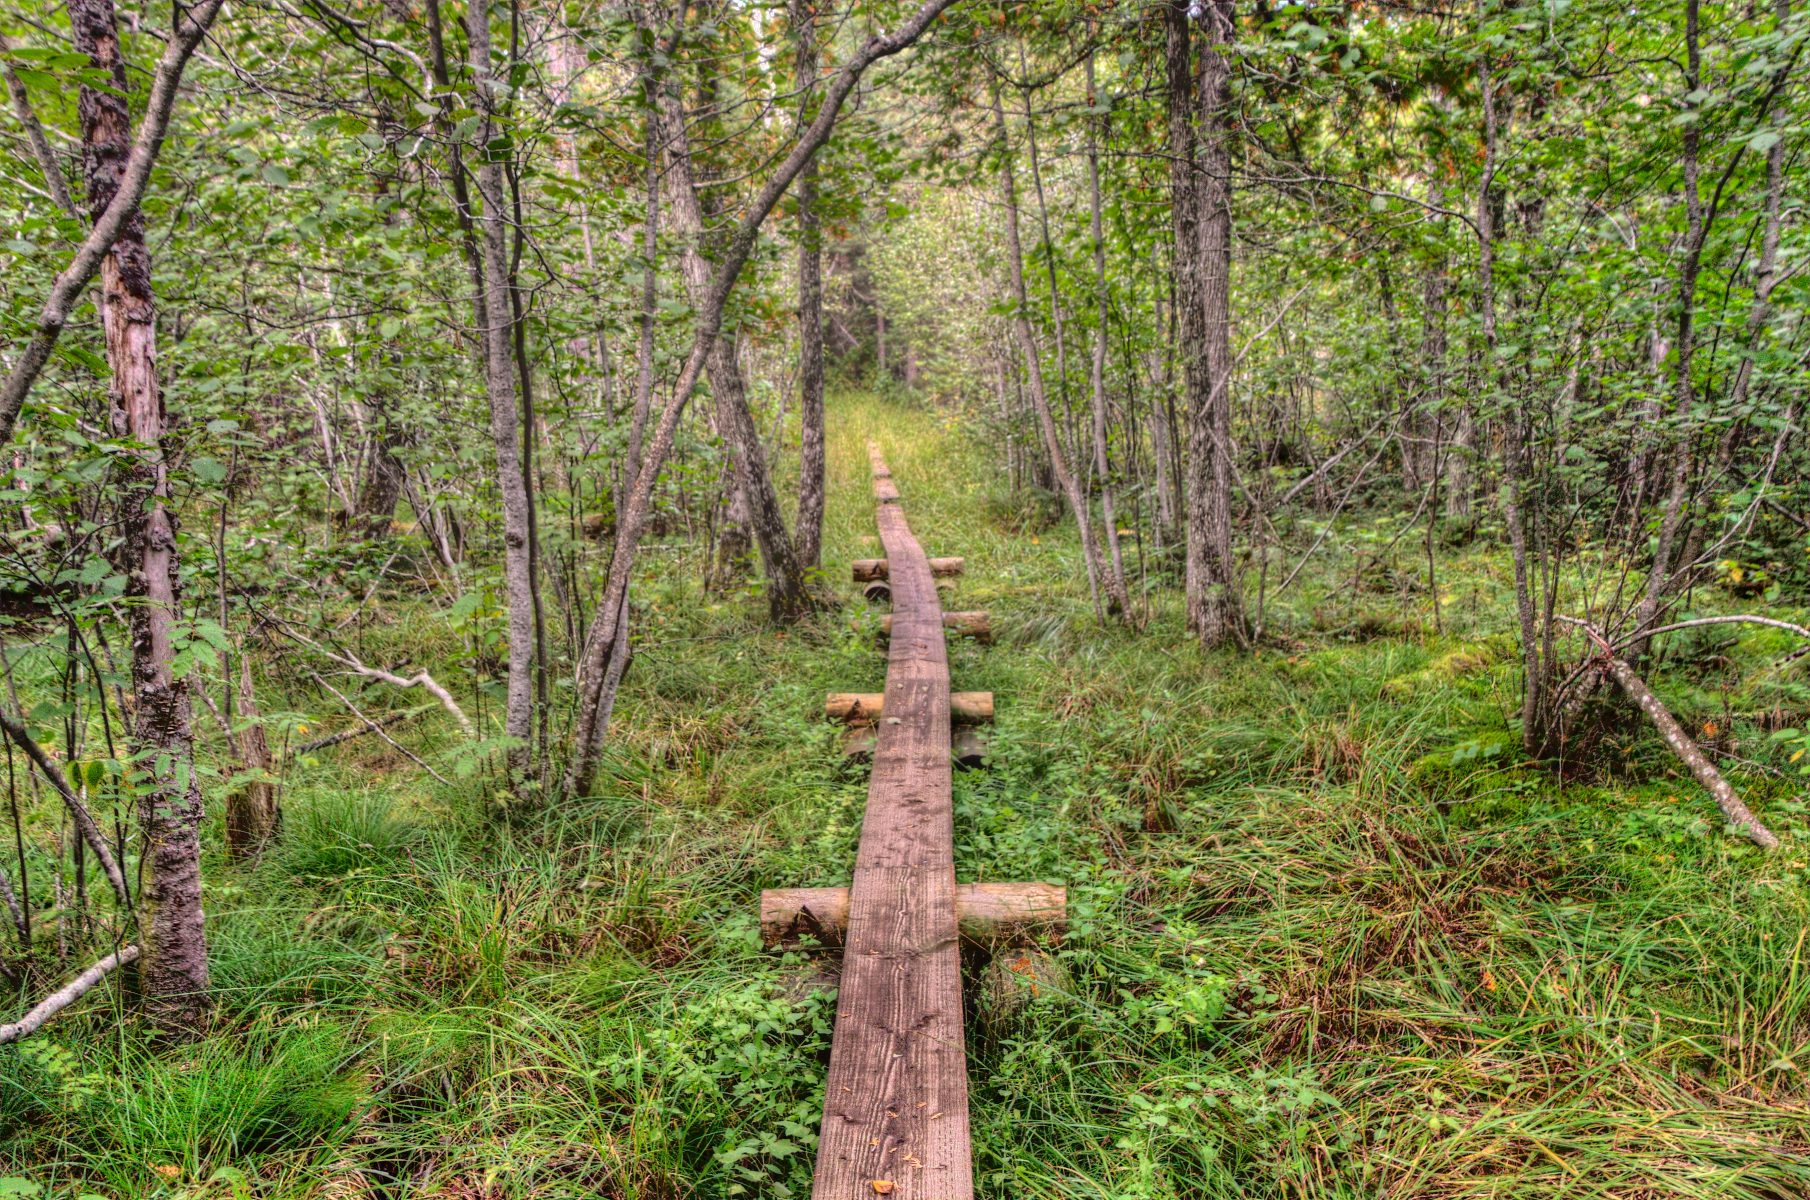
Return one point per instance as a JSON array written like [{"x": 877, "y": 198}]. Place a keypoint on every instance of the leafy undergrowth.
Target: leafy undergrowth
[{"x": 1330, "y": 936}]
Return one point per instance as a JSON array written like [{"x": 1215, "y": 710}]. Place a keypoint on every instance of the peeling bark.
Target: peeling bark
[{"x": 173, "y": 975}]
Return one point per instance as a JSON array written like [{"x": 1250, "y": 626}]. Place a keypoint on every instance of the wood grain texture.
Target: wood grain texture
[{"x": 896, "y": 1099}]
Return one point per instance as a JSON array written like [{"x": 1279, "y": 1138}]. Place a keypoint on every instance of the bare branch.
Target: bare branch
[
  {"x": 78, "y": 812},
  {"x": 377, "y": 729},
  {"x": 64, "y": 996},
  {"x": 1687, "y": 750},
  {"x": 420, "y": 679}
]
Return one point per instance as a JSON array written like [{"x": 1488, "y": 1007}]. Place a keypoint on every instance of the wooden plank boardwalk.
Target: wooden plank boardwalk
[{"x": 895, "y": 1114}]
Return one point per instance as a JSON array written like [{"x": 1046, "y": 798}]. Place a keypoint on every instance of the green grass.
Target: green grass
[{"x": 1330, "y": 938}]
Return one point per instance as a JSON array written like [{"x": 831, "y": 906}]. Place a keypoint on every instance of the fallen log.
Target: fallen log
[
  {"x": 987, "y": 914},
  {"x": 971, "y": 708},
  {"x": 1736, "y": 813},
  {"x": 866, "y": 570},
  {"x": 1680, "y": 742},
  {"x": 975, "y": 624}
]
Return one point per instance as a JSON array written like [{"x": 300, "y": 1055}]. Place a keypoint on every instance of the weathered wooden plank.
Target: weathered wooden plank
[{"x": 896, "y": 1098}]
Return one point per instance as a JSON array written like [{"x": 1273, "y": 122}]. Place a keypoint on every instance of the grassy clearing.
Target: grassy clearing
[{"x": 1371, "y": 955}]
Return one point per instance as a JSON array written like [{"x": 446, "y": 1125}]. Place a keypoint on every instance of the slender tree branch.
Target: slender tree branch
[
  {"x": 78, "y": 812},
  {"x": 66, "y": 995}
]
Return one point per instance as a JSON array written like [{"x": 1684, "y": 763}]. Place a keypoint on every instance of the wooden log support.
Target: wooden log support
[
  {"x": 877, "y": 591},
  {"x": 866, "y": 570},
  {"x": 967, "y": 745},
  {"x": 987, "y": 914},
  {"x": 968, "y": 748},
  {"x": 895, "y": 1108},
  {"x": 867, "y": 708},
  {"x": 975, "y": 624}
]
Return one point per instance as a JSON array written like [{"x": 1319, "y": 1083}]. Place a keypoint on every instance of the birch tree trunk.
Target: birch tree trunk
[
  {"x": 810, "y": 311},
  {"x": 494, "y": 327},
  {"x": 1215, "y": 610},
  {"x": 173, "y": 974},
  {"x": 1033, "y": 363},
  {"x": 1117, "y": 593}
]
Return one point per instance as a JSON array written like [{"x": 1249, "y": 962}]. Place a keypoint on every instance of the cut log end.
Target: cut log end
[
  {"x": 987, "y": 914},
  {"x": 968, "y": 747}
]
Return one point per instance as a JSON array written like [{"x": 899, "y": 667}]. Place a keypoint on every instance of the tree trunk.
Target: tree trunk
[
  {"x": 1200, "y": 168},
  {"x": 494, "y": 326},
  {"x": 252, "y": 815},
  {"x": 1516, "y": 447},
  {"x": 1033, "y": 364},
  {"x": 788, "y": 595},
  {"x": 810, "y": 312},
  {"x": 173, "y": 974},
  {"x": 734, "y": 541},
  {"x": 604, "y": 650},
  {"x": 1215, "y": 607},
  {"x": 1118, "y": 594},
  {"x": 1664, "y": 573},
  {"x": 381, "y": 486}
]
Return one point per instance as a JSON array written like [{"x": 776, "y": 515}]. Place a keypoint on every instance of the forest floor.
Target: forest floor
[{"x": 1367, "y": 952}]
